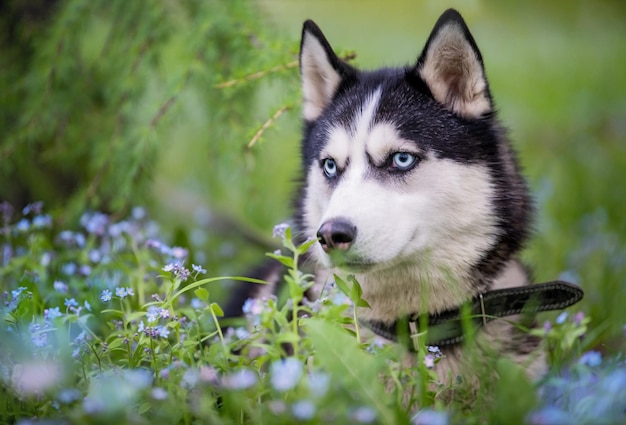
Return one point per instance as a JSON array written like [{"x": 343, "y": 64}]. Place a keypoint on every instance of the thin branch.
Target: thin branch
[
  {"x": 267, "y": 124},
  {"x": 256, "y": 75}
]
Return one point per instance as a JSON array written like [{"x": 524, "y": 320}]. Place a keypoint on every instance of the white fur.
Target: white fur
[{"x": 416, "y": 238}]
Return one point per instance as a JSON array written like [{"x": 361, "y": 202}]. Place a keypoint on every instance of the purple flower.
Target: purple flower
[
  {"x": 578, "y": 318},
  {"x": 179, "y": 253},
  {"x": 547, "y": 326},
  {"x": 280, "y": 230},
  {"x": 164, "y": 313},
  {"x": 429, "y": 361}
]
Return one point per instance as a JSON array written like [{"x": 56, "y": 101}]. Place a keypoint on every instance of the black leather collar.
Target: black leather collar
[{"x": 447, "y": 328}]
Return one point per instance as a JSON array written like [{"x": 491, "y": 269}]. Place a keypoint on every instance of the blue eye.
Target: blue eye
[
  {"x": 403, "y": 161},
  {"x": 330, "y": 167}
]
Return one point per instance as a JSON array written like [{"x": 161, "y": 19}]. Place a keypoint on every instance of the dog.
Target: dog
[{"x": 411, "y": 185}]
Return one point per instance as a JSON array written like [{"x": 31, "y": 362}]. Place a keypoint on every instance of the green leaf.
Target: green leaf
[
  {"x": 514, "y": 393},
  {"x": 338, "y": 353},
  {"x": 306, "y": 246},
  {"x": 283, "y": 259},
  {"x": 217, "y": 310},
  {"x": 202, "y": 294},
  {"x": 342, "y": 285}
]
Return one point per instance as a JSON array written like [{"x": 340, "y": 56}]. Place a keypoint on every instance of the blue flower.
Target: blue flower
[
  {"x": 52, "y": 313},
  {"x": 430, "y": 417},
  {"x": 285, "y": 374},
  {"x": 153, "y": 314},
  {"x": 550, "y": 416},
  {"x": 303, "y": 410},
  {"x": 591, "y": 358},
  {"x": 138, "y": 213},
  {"x": 239, "y": 380},
  {"x": 163, "y": 331},
  {"x": 87, "y": 305},
  {"x": 60, "y": 286},
  {"x": 561, "y": 318},
  {"x": 94, "y": 223},
  {"x": 106, "y": 295},
  {"x": 42, "y": 221},
  {"x": 17, "y": 292},
  {"x": 121, "y": 292},
  {"x": 364, "y": 415},
  {"x": 22, "y": 225},
  {"x": 38, "y": 336},
  {"x": 141, "y": 327},
  {"x": 69, "y": 269},
  {"x": 318, "y": 384},
  {"x": 71, "y": 302},
  {"x": 198, "y": 269},
  {"x": 164, "y": 313},
  {"x": 159, "y": 393}
]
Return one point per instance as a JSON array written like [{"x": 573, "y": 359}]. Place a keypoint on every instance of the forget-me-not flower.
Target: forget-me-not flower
[
  {"x": 106, "y": 295},
  {"x": 285, "y": 374}
]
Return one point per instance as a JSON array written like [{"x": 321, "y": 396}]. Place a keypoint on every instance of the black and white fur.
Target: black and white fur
[{"x": 410, "y": 183}]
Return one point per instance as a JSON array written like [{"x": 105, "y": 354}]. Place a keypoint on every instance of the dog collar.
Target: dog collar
[{"x": 448, "y": 327}]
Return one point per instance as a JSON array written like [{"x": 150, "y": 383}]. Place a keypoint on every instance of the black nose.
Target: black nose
[{"x": 337, "y": 233}]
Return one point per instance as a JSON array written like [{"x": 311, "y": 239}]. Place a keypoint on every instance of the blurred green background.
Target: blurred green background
[{"x": 109, "y": 104}]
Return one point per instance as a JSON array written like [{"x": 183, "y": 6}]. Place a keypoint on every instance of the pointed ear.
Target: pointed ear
[
  {"x": 452, "y": 68},
  {"x": 320, "y": 69}
]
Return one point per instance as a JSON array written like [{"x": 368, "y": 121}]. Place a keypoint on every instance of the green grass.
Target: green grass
[{"x": 105, "y": 323}]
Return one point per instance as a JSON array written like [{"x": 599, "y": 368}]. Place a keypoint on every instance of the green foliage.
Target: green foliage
[
  {"x": 105, "y": 323},
  {"x": 88, "y": 112}
]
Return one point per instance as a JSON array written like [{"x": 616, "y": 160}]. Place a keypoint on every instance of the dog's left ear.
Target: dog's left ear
[{"x": 452, "y": 67}]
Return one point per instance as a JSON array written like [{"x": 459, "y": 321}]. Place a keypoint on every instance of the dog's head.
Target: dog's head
[{"x": 407, "y": 165}]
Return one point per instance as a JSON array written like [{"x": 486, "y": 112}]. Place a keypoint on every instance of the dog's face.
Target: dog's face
[{"x": 400, "y": 163}]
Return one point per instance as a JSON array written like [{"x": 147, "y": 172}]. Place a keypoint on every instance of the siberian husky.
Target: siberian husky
[{"x": 411, "y": 185}]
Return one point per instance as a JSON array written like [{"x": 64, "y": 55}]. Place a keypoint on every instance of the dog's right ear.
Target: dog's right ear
[{"x": 320, "y": 69}]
